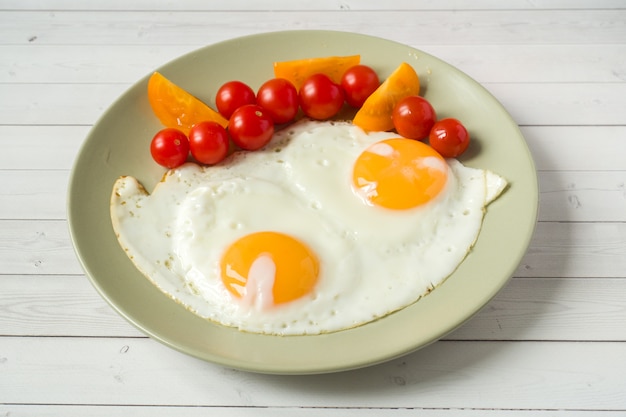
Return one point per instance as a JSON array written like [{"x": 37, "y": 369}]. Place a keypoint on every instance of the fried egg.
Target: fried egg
[{"x": 324, "y": 229}]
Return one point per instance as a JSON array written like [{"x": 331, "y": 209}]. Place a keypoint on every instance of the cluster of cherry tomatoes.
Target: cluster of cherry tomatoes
[
  {"x": 415, "y": 118},
  {"x": 252, "y": 117}
]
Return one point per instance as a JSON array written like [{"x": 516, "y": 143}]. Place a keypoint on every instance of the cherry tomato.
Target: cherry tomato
[
  {"x": 375, "y": 114},
  {"x": 320, "y": 97},
  {"x": 169, "y": 147},
  {"x": 233, "y": 95},
  {"x": 279, "y": 98},
  {"x": 413, "y": 117},
  {"x": 449, "y": 137},
  {"x": 251, "y": 127},
  {"x": 358, "y": 83},
  {"x": 208, "y": 142}
]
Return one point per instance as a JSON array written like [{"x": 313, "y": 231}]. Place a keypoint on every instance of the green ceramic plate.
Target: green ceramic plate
[{"x": 118, "y": 145}]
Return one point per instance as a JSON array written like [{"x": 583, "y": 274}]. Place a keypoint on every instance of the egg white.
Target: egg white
[{"x": 373, "y": 261}]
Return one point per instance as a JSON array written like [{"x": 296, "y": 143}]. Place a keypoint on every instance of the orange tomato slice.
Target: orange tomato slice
[
  {"x": 299, "y": 70},
  {"x": 375, "y": 114},
  {"x": 175, "y": 107}
]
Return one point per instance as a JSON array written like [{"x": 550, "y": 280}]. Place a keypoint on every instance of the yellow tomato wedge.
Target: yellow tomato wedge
[
  {"x": 299, "y": 70},
  {"x": 175, "y": 107},
  {"x": 375, "y": 114}
]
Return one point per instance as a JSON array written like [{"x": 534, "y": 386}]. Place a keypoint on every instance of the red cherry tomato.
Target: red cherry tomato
[
  {"x": 169, "y": 147},
  {"x": 208, "y": 142},
  {"x": 279, "y": 98},
  {"x": 413, "y": 117},
  {"x": 233, "y": 95},
  {"x": 358, "y": 83},
  {"x": 449, "y": 137},
  {"x": 320, "y": 97},
  {"x": 251, "y": 127}
]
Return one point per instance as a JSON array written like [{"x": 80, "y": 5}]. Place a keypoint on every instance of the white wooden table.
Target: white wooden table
[{"x": 552, "y": 343}]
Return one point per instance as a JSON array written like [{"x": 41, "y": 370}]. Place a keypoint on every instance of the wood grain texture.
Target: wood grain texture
[
  {"x": 553, "y": 148},
  {"x": 582, "y": 196},
  {"x": 551, "y": 343},
  {"x": 462, "y": 27},
  {"x": 557, "y": 249},
  {"x": 456, "y": 374},
  {"x": 528, "y": 103},
  {"x": 593, "y": 309},
  {"x": 344, "y": 5},
  {"x": 197, "y": 411},
  {"x": 125, "y": 64}
]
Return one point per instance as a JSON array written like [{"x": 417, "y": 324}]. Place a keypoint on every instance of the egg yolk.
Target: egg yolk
[
  {"x": 399, "y": 174},
  {"x": 268, "y": 268}
]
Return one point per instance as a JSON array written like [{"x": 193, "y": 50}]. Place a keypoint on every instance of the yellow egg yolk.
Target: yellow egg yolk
[
  {"x": 399, "y": 174},
  {"x": 268, "y": 268}
]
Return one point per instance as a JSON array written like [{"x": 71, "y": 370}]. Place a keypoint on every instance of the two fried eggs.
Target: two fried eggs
[{"x": 325, "y": 229}]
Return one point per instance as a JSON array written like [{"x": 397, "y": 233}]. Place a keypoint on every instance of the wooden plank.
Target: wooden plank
[
  {"x": 56, "y": 104},
  {"x": 409, "y": 27},
  {"x": 580, "y": 196},
  {"x": 83, "y": 63},
  {"x": 40, "y": 147},
  {"x": 59, "y": 305},
  {"x": 528, "y": 103},
  {"x": 53, "y": 410},
  {"x": 249, "y": 5},
  {"x": 558, "y": 249},
  {"x": 486, "y": 63},
  {"x": 511, "y": 375},
  {"x": 554, "y": 148},
  {"x": 576, "y": 148},
  {"x": 575, "y": 250},
  {"x": 526, "y": 309},
  {"x": 29, "y": 194},
  {"x": 545, "y": 63},
  {"x": 593, "y": 309},
  {"x": 562, "y": 104},
  {"x": 37, "y": 247}
]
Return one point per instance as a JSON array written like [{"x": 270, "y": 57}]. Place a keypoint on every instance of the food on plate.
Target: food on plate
[
  {"x": 280, "y": 98},
  {"x": 169, "y": 147},
  {"x": 251, "y": 127},
  {"x": 297, "y": 238},
  {"x": 232, "y": 95},
  {"x": 394, "y": 104},
  {"x": 376, "y": 113},
  {"x": 296, "y": 71},
  {"x": 449, "y": 137},
  {"x": 208, "y": 142},
  {"x": 328, "y": 225},
  {"x": 320, "y": 97},
  {"x": 358, "y": 83},
  {"x": 413, "y": 117},
  {"x": 399, "y": 173},
  {"x": 176, "y": 108}
]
